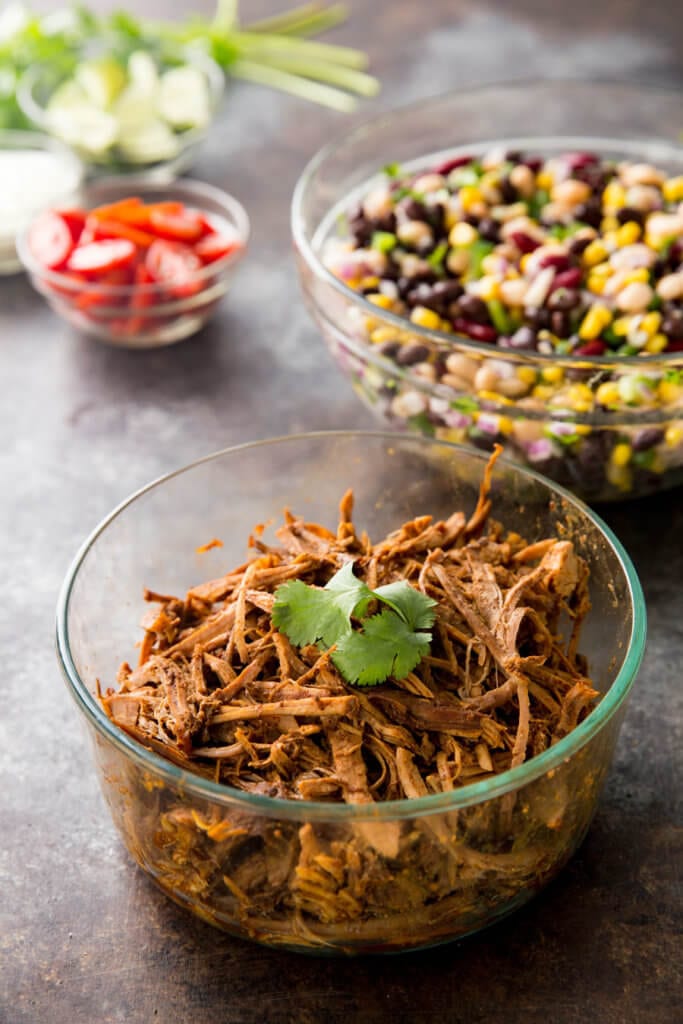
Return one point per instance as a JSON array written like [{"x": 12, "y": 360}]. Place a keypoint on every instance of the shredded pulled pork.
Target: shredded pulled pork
[{"x": 222, "y": 693}]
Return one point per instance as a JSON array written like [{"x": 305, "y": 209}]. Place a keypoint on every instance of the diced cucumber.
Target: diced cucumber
[
  {"x": 133, "y": 108},
  {"x": 102, "y": 80},
  {"x": 184, "y": 98},
  {"x": 143, "y": 74},
  {"x": 148, "y": 143},
  {"x": 86, "y": 127}
]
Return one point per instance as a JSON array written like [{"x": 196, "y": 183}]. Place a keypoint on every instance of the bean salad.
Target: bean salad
[{"x": 573, "y": 256}]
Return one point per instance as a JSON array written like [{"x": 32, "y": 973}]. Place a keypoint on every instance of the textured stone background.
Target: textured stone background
[{"x": 83, "y": 936}]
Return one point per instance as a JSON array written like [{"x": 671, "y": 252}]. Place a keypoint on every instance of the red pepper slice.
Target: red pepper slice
[
  {"x": 50, "y": 240},
  {"x": 175, "y": 265},
  {"x": 215, "y": 247},
  {"x": 118, "y": 229},
  {"x": 186, "y": 226},
  {"x": 96, "y": 258}
]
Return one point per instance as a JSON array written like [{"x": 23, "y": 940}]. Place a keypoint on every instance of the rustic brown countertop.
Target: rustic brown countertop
[{"x": 84, "y": 937}]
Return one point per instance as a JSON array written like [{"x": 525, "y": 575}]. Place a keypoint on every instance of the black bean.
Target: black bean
[
  {"x": 420, "y": 296},
  {"x": 489, "y": 229},
  {"x": 436, "y": 216},
  {"x": 646, "y": 438},
  {"x": 412, "y": 209},
  {"x": 628, "y": 213},
  {"x": 537, "y": 317},
  {"x": 508, "y": 191},
  {"x": 589, "y": 212},
  {"x": 483, "y": 441},
  {"x": 448, "y": 291},
  {"x": 672, "y": 324},
  {"x": 362, "y": 231},
  {"x": 563, "y": 299},
  {"x": 523, "y": 338},
  {"x": 560, "y": 323},
  {"x": 389, "y": 349},
  {"x": 472, "y": 220},
  {"x": 473, "y": 308},
  {"x": 578, "y": 245},
  {"x": 411, "y": 354}
]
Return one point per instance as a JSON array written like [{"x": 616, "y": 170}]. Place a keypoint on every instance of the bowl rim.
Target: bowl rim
[
  {"x": 305, "y": 247},
  {"x": 513, "y": 779},
  {"x": 36, "y": 113},
  {"x": 140, "y": 184}
]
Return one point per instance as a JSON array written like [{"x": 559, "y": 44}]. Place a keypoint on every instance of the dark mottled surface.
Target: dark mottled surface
[{"x": 83, "y": 936}]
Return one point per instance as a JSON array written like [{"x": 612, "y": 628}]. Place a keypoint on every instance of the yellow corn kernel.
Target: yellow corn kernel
[
  {"x": 580, "y": 397},
  {"x": 456, "y": 435},
  {"x": 620, "y": 476},
  {"x": 543, "y": 392},
  {"x": 596, "y": 284},
  {"x": 650, "y": 323},
  {"x": 594, "y": 322},
  {"x": 494, "y": 396},
  {"x": 609, "y": 238},
  {"x": 658, "y": 465},
  {"x": 382, "y": 334},
  {"x": 545, "y": 180},
  {"x": 668, "y": 391},
  {"x": 377, "y": 299},
  {"x": 622, "y": 325},
  {"x": 353, "y": 282},
  {"x": 604, "y": 270},
  {"x": 489, "y": 287},
  {"x": 640, "y": 274},
  {"x": 462, "y": 233},
  {"x": 553, "y": 374},
  {"x": 621, "y": 454},
  {"x": 608, "y": 393},
  {"x": 527, "y": 374},
  {"x": 369, "y": 282},
  {"x": 451, "y": 218},
  {"x": 524, "y": 262},
  {"x": 505, "y": 425},
  {"x": 469, "y": 196},
  {"x": 672, "y": 189},
  {"x": 628, "y": 233},
  {"x": 656, "y": 344},
  {"x": 595, "y": 253},
  {"x": 609, "y": 225},
  {"x": 614, "y": 196},
  {"x": 582, "y": 429},
  {"x": 673, "y": 436},
  {"x": 424, "y": 317}
]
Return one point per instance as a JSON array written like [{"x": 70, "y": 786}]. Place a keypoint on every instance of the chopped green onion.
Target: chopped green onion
[
  {"x": 478, "y": 250},
  {"x": 392, "y": 170},
  {"x": 383, "y": 241},
  {"x": 499, "y": 316},
  {"x": 465, "y": 404},
  {"x": 436, "y": 258}
]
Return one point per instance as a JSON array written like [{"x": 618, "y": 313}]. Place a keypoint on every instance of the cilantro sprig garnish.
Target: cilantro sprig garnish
[{"x": 369, "y": 648}]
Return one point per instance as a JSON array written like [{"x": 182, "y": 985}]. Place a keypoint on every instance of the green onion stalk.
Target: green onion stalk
[{"x": 279, "y": 52}]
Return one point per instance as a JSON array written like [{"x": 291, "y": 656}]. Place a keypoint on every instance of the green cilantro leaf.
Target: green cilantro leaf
[
  {"x": 311, "y": 614},
  {"x": 392, "y": 170},
  {"x": 387, "y": 646},
  {"x": 391, "y": 642}
]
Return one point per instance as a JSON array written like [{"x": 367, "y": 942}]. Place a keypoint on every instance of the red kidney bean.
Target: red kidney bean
[
  {"x": 534, "y": 163},
  {"x": 450, "y": 165},
  {"x": 577, "y": 160},
  {"x": 567, "y": 279},
  {"x": 479, "y": 332},
  {"x": 675, "y": 346},
  {"x": 525, "y": 243},
  {"x": 591, "y": 348},
  {"x": 647, "y": 438},
  {"x": 554, "y": 259}
]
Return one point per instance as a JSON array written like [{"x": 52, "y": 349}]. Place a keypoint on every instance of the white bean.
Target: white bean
[
  {"x": 410, "y": 403},
  {"x": 570, "y": 192},
  {"x": 635, "y": 297},
  {"x": 513, "y": 292},
  {"x": 462, "y": 365},
  {"x": 429, "y": 183},
  {"x": 523, "y": 179},
  {"x": 640, "y": 174},
  {"x": 671, "y": 286},
  {"x": 633, "y": 256},
  {"x": 486, "y": 379},
  {"x": 377, "y": 204}
]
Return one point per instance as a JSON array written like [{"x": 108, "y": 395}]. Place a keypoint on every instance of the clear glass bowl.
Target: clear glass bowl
[
  {"x": 632, "y": 447},
  {"x": 155, "y": 319},
  {"x": 39, "y": 82},
  {"x": 16, "y": 215},
  {"x": 487, "y": 847}
]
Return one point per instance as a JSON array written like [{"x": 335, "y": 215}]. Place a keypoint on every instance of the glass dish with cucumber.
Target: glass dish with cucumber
[
  {"x": 523, "y": 290},
  {"x": 126, "y": 113}
]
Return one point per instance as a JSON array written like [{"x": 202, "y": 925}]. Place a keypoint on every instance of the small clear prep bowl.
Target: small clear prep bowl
[
  {"x": 601, "y": 453},
  {"x": 488, "y": 847},
  {"x": 61, "y": 192},
  {"x": 38, "y": 83},
  {"x": 104, "y": 310}
]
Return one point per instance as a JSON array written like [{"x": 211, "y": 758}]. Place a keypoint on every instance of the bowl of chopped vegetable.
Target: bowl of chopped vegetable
[
  {"x": 138, "y": 113},
  {"x": 513, "y": 276},
  {"x": 137, "y": 264},
  {"x": 380, "y": 711}
]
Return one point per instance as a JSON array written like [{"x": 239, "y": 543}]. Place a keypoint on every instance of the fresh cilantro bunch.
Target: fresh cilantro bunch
[{"x": 390, "y": 642}]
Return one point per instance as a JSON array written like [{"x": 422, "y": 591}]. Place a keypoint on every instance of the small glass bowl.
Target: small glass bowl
[
  {"x": 547, "y": 411},
  {"x": 15, "y": 216},
  {"x": 39, "y": 82},
  {"x": 231, "y": 857},
  {"x": 105, "y": 311}
]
